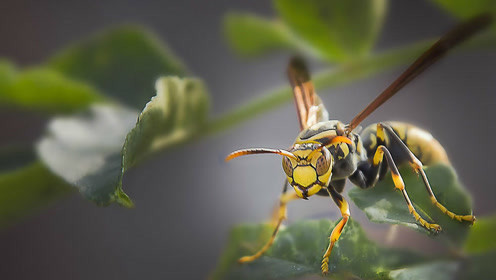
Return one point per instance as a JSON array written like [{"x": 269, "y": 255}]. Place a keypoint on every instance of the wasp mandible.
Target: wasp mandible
[{"x": 327, "y": 152}]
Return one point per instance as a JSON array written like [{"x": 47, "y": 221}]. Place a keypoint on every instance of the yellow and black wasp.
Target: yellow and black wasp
[{"x": 327, "y": 152}]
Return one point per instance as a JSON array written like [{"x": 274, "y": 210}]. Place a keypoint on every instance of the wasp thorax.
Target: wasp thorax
[{"x": 309, "y": 170}]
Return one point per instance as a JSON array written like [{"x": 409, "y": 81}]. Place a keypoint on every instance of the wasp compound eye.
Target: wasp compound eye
[
  {"x": 323, "y": 162},
  {"x": 287, "y": 166}
]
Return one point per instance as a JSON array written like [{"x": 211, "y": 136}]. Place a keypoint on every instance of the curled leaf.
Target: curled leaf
[
  {"x": 93, "y": 150},
  {"x": 85, "y": 150}
]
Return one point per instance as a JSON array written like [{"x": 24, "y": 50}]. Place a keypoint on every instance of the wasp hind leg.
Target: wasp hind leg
[
  {"x": 279, "y": 215},
  {"x": 336, "y": 232},
  {"x": 400, "y": 185},
  {"x": 417, "y": 166}
]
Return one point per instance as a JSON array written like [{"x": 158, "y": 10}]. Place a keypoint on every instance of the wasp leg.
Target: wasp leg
[
  {"x": 279, "y": 210},
  {"x": 417, "y": 166},
  {"x": 280, "y": 215},
  {"x": 400, "y": 185},
  {"x": 336, "y": 232}
]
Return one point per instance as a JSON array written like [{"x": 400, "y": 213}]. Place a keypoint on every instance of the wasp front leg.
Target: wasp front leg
[
  {"x": 277, "y": 218},
  {"x": 336, "y": 232}
]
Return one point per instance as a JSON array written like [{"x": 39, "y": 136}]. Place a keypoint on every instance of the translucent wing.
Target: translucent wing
[{"x": 309, "y": 107}]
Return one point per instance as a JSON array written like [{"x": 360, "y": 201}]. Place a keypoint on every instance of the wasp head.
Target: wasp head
[
  {"x": 308, "y": 165},
  {"x": 309, "y": 170}
]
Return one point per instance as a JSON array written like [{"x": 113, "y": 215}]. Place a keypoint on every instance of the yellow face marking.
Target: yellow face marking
[
  {"x": 304, "y": 175},
  {"x": 302, "y": 153},
  {"x": 314, "y": 189},
  {"x": 299, "y": 193},
  {"x": 325, "y": 178},
  {"x": 345, "y": 149}
]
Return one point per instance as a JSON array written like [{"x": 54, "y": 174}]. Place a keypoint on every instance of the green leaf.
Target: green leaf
[
  {"x": 85, "y": 150},
  {"x": 174, "y": 116},
  {"x": 481, "y": 237},
  {"x": 383, "y": 204},
  {"x": 438, "y": 270},
  {"x": 339, "y": 30},
  {"x": 43, "y": 90},
  {"x": 123, "y": 62},
  {"x": 93, "y": 150},
  {"x": 26, "y": 189},
  {"x": 298, "y": 249},
  {"x": 251, "y": 35},
  {"x": 480, "y": 266},
  {"x": 467, "y": 9}
]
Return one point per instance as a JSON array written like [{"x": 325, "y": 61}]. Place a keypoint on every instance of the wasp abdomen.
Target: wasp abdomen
[{"x": 423, "y": 145}]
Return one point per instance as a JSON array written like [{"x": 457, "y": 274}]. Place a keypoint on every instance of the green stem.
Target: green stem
[{"x": 331, "y": 78}]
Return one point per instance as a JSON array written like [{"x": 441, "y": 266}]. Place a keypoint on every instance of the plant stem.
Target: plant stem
[{"x": 338, "y": 76}]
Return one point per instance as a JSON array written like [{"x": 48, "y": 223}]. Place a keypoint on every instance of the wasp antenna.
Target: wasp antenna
[{"x": 253, "y": 151}]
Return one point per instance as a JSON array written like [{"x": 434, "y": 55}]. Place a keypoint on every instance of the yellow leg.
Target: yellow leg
[
  {"x": 400, "y": 185},
  {"x": 417, "y": 166},
  {"x": 336, "y": 232},
  {"x": 281, "y": 216}
]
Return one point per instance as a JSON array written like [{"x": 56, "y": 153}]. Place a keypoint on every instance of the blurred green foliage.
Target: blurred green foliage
[
  {"x": 122, "y": 62},
  {"x": 96, "y": 80},
  {"x": 44, "y": 90},
  {"x": 338, "y": 31},
  {"x": 266, "y": 35},
  {"x": 466, "y": 9},
  {"x": 27, "y": 189},
  {"x": 481, "y": 237},
  {"x": 94, "y": 88}
]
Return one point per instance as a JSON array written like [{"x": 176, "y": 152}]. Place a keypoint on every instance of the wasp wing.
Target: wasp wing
[
  {"x": 309, "y": 107},
  {"x": 457, "y": 35}
]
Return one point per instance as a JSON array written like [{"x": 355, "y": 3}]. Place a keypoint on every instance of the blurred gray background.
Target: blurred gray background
[{"x": 187, "y": 199}]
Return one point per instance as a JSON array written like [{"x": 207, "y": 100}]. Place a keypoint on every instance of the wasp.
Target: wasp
[{"x": 328, "y": 152}]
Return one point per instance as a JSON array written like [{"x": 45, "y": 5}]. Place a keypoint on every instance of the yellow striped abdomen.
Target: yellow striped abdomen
[{"x": 423, "y": 145}]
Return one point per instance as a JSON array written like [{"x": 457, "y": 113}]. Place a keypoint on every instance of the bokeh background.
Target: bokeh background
[{"x": 187, "y": 199}]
